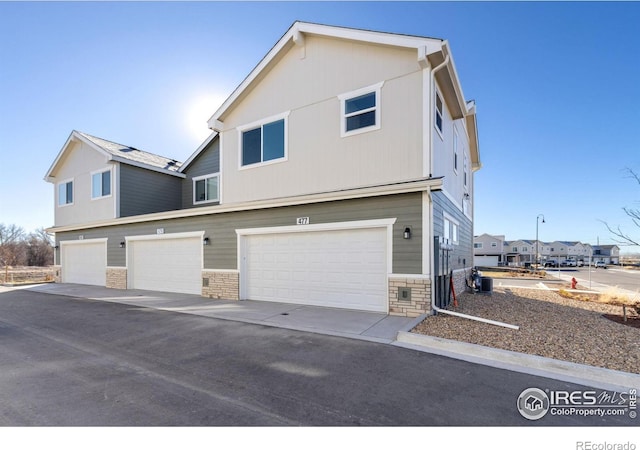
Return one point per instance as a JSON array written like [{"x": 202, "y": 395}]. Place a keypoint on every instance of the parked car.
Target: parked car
[
  {"x": 551, "y": 263},
  {"x": 599, "y": 264},
  {"x": 569, "y": 263},
  {"x": 580, "y": 263}
]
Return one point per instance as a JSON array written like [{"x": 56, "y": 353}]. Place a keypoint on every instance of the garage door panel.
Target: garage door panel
[
  {"x": 338, "y": 268},
  {"x": 169, "y": 264},
  {"x": 84, "y": 263}
]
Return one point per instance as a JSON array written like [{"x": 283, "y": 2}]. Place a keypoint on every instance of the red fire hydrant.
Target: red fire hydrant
[{"x": 573, "y": 283}]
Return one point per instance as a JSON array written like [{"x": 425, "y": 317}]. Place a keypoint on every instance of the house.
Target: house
[
  {"x": 520, "y": 252},
  {"x": 609, "y": 254},
  {"x": 331, "y": 173},
  {"x": 488, "y": 250}
]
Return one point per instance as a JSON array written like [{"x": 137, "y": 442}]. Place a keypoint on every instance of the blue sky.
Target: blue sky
[{"x": 556, "y": 86}]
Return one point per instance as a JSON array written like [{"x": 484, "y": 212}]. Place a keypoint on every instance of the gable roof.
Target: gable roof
[
  {"x": 119, "y": 153},
  {"x": 430, "y": 52},
  {"x": 199, "y": 150}
]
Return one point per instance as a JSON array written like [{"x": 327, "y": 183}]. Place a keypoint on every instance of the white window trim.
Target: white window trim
[
  {"x": 456, "y": 144},
  {"x": 435, "y": 113},
  {"x": 453, "y": 237},
  {"x": 73, "y": 192},
  {"x": 106, "y": 169},
  {"x": 377, "y": 88},
  {"x": 204, "y": 177},
  {"x": 477, "y": 245},
  {"x": 258, "y": 124}
]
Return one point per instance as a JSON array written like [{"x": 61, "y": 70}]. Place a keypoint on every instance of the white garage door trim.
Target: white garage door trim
[
  {"x": 244, "y": 235},
  {"x": 194, "y": 287},
  {"x": 96, "y": 268}
]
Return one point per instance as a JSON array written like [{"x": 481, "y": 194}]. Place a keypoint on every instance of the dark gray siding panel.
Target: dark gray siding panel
[
  {"x": 207, "y": 162},
  {"x": 144, "y": 191},
  {"x": 462, "y": 255},
  {"x": 220, "y": 228}
]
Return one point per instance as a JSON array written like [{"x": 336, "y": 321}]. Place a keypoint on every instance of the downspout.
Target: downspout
[
  {"x": 432, "y": 115},
  {"x": 453, "y": 313}
]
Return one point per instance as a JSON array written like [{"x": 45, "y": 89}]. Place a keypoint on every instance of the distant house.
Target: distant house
[
  {"x": 520, "y": 252},
  {"x": 610, "y": 254},
  {"x": 488, "y": 250}
]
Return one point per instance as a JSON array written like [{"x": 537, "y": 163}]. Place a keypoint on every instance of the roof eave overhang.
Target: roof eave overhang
[
  {"x": 199, "y": 150},
  {"x": 73, "y": 137},
  {"x": 295, "y": 37},
  {"x": 419, "y": 185}
]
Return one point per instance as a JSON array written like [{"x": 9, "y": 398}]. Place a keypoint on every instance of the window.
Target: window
[
  {"x": 515, "y": 249},
  {"x": 360, "y": 110},
  {"x": 438, "y": 112},
  {"x": 455, "y": 150},
  {"x": 206, "y": 189},
  {"x": 101, "y": 184},
  {"x": 65, "y": 193},
  {"x": 465, "y": 170},
  {"x": 494, "y": 244},
  {"x": 450, "y": 231},
  {"x": 477, "y": 245},
  {"x": 263, "y": 142}
]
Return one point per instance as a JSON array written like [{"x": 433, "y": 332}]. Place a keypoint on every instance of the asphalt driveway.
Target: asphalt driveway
[{"x": 75, "y": 362}]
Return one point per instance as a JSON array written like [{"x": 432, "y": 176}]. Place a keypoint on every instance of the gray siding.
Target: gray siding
[
  {"x": 462, "y": 254},
  {"x": 220, "y": 228},
  {"x": 207, "y": 162},
  {"x": 144, "y": 191}
]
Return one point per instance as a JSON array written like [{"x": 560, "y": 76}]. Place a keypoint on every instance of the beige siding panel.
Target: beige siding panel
[
  {"x": 78, "y": 164},
  {"x": 318, "y": 159}
]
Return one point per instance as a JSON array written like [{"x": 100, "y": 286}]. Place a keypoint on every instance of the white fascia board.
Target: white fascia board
[
  {"x": 199, "y": 150},
  {"x": 74, "y": 136},
  {"x": 420, "y": 185},
  {"x": 295, "y": 36}
]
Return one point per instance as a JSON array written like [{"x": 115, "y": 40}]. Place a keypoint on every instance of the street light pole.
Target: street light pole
[{"x": 537, "y": 242}]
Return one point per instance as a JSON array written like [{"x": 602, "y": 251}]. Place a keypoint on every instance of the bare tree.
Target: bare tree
[
  {"x": 623, "y": 237},
  {"x": 39, "y": 250},
  {"x": 11, "y": 251}
]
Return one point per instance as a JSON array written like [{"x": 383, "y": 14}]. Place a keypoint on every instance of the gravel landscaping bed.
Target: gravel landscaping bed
[{"x": 550, "y": 325}]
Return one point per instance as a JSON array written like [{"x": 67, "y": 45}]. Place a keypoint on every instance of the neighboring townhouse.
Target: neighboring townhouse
[
  {"x": 488, "y": 250},
  {"x": 520, "y": 252},
  {"x": 609, "y": 254},
  {"x": 333, "y": 172}
]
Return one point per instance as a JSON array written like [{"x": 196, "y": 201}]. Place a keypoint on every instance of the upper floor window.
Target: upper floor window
[
  {"x": 360, "y": 110},
  {"x": 477, "y": 245},
  {"x": 494, "y": 244},
  {"x": 263, "y": 142},
  {"x": 206, "y": 189},
  {"x": 101, "y": 184},
  {"x": 438, "y": 112},
  {"x": 65, "y": 193},
  {"x": 455, "y": 150}
]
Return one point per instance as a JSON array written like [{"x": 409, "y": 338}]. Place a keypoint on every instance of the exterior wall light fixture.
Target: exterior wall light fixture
[
  {"x": 407, "y": 233},
  {"x": 123, "y": 244},
  {"x": 205, "y": 241}
]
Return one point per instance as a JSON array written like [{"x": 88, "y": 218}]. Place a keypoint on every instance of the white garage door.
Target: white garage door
[
  {"x": 338, "y": 268},
  {"x": 168, "y": 264},
  {"x": 486, "y": 261},
  {"x": 84, "y": 262}
]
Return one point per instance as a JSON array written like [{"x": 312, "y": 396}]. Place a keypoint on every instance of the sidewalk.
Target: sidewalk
[{"x": 373, "y": 327}]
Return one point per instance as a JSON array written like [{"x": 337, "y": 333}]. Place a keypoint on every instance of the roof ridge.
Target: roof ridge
[{"x": 91, "y": 136}]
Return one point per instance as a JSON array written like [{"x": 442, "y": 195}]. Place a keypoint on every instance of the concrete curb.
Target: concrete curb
[{"x": 595, "y": 377}]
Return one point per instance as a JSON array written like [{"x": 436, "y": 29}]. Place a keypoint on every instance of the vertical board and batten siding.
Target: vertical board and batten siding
[
  {"x": 462, "y": 254},
  {"x": 206, "y": 163},
  {"x": 145, "y": 191},
  {"x": 222, "y": 253}
]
